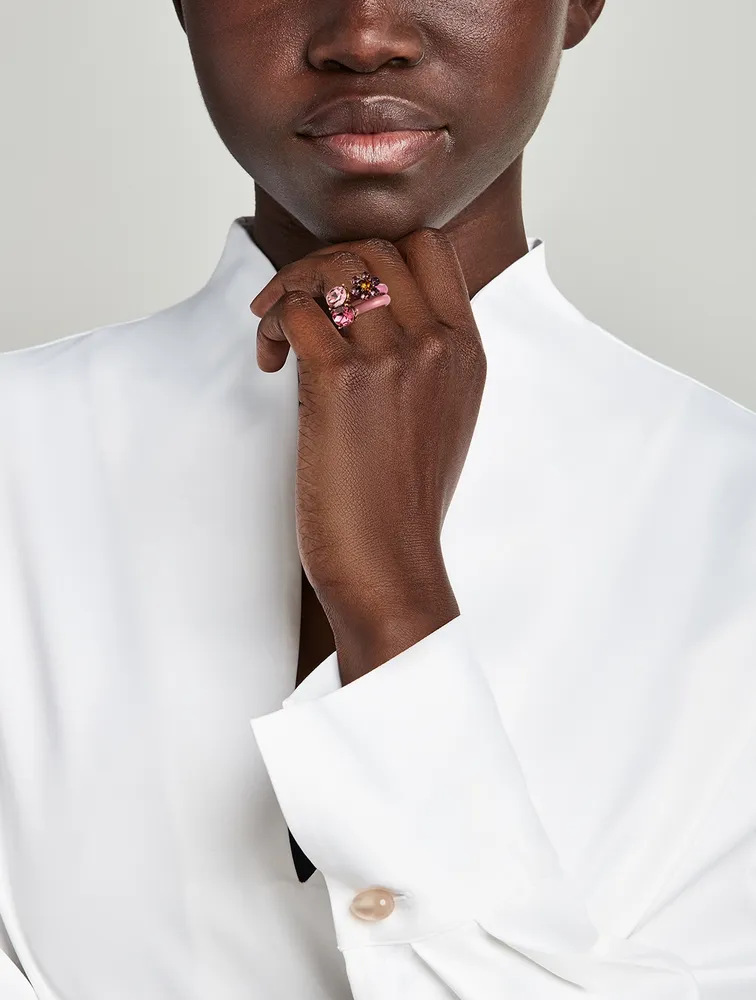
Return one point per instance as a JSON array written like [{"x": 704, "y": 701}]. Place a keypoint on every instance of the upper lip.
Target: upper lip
[{"x": 368, "y": 114}]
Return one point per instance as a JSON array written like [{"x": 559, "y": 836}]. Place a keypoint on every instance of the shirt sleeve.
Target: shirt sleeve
[{"x": 405, "y": 780}]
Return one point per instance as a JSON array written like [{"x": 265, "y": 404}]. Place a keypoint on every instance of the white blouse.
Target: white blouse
[{"x": 553, "y": 794}]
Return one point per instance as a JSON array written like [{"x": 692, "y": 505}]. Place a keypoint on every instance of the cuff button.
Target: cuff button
[{"x": 372, "y": 904}]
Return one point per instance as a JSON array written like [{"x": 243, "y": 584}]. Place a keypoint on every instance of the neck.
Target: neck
[{"x": 488, "y": 235}]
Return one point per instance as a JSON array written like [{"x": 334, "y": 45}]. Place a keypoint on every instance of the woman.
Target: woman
[{"x": 498, "y": 568}]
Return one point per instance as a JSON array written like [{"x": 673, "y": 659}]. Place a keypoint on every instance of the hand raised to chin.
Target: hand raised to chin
[{"x": 387, "y": 410}]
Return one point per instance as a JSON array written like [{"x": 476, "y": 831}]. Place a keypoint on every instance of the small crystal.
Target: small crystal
[
  {"x": 337, "y": 296},
  {"x": 362, "y": 286},
  {"x": 344, "y": 316}
]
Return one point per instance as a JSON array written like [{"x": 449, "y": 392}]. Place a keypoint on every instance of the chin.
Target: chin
[{"x": 386, "y": 223}]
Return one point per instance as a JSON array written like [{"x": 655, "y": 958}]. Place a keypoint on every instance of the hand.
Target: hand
[{"x": 387, "y": 411}]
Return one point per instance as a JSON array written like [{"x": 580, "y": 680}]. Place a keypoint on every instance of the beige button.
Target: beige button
[{"x": 373, "y": 904}]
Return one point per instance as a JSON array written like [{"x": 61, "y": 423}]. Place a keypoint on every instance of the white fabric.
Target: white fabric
[{"x": 558, "y": 785}]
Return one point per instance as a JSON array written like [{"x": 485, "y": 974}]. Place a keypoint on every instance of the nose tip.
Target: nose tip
[{"x": 365, "y": 47}]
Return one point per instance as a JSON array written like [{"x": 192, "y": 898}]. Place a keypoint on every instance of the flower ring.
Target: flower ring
[{"x": 367, "y": 292}]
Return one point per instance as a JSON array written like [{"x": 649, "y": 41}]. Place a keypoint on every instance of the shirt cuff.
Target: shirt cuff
[{"x": 405, "y": 779}]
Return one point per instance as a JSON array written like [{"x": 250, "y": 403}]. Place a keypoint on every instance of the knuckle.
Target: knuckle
[
  {"x": 380, "y": 247},
  {"x": 431, "y": 234},
  {"x": 436, "y": 348},
  {"x": 264, "y": 328},
  {"x": 474, "y": 361},
  {"x": 428, "y": 236},
  {"x": 392, "y": 364},
  {"x": 292, "y": 300},
  {"x": 348, "y": 259},
  {"x": 471, "y": 348}
]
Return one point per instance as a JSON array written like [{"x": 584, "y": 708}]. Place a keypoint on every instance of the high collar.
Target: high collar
[{"x": 243, "y": 270}]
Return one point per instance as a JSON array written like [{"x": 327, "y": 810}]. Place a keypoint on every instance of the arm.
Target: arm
[
  {"x": 406, "y": 779},
  {"x": 392, "y": 764}
]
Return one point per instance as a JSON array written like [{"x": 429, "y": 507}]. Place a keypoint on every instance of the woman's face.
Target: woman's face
[{"x": 483, "y": 69}]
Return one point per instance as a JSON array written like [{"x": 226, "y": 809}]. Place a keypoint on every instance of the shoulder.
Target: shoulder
[
  {"x": 586, "y": 374},
  {"x": 174, "y": 341},
  {"x": 73, "y": 353},
  {"x": 622, "y": 380},
  {"x": 116, "y": 383},
  {"x": 159, "y": 355},
  {"x": 674, "y": 400}
]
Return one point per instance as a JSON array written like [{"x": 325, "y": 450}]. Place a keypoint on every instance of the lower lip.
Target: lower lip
[{"x": 377, "y": 152}]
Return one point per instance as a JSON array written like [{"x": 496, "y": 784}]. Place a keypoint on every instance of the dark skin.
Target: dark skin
[{"x": 387, "y": 407}]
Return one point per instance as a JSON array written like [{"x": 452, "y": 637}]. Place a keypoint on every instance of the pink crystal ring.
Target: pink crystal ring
[
  {"x": 337, "y": 296},
  {"x": 367, "y": 292}
]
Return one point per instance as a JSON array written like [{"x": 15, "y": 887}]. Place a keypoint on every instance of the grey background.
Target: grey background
[{"x": 116, "y": 193}]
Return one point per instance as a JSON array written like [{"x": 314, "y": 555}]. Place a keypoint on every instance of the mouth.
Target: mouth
[
  {"x": 376, "y": 134},
  {"x": 377, "y": 152}
]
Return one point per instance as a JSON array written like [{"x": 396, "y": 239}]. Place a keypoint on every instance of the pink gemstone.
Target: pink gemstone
[
  {"x": 344, "y": 316},
  {"x": 337, "y": 296},
  {"x": 382, "y": 288}
]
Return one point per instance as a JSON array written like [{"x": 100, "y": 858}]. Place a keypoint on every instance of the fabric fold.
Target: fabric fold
[{"x": 406, "y": 779}]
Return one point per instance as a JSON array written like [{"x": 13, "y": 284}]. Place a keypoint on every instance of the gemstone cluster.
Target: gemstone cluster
[{"x": 341, "y": 302}]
